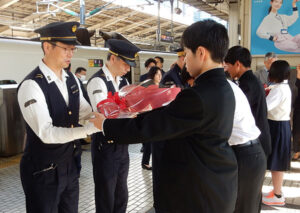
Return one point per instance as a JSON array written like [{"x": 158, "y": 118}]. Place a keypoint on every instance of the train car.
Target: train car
[{"x": 19, "y": 57}]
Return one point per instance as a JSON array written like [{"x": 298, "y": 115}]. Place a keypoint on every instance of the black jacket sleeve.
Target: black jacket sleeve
[{"x": 178, "y": 119}]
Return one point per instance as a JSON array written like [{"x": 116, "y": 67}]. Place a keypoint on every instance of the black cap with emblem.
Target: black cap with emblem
[
  {"x": 123, "y": 49},
  {"x": 59, "y": 31}
]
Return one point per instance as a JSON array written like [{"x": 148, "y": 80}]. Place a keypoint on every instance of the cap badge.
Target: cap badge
[{"x": 74, "y": 28}]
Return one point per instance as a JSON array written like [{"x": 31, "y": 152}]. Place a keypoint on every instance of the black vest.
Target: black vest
[
  {"x": 109, "y": 84},
  {"x": 62, "y": 116},
  {"x": 110, "y": 88}
]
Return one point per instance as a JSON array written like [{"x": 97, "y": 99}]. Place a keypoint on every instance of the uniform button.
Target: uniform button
[
  {"x": 70, "y": 113},
  {"x": 111, "y": 141},
  {"x": 74, "y": 146},
  {"x": 72, "y": 126}
]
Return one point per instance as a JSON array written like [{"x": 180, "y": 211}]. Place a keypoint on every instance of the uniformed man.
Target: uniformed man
[
  {"x": 111, "y": 161},
  {"x": 51, "y": 102},
  {"x": 173, "y": 76}
]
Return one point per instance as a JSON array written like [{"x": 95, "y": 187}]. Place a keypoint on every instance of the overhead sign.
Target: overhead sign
[
  {"x": 166, "y": 37},
  {"x": 95, "y": 63}
]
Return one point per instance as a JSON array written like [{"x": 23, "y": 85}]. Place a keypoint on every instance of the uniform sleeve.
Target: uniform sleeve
[
  {"x": 261, "y": 30},
  {"x": 35, "y": 111},
  {"x": 274, "y": 98},
  {"x": 85, "y": 110},
  {"x": 173, "y": 121},
  {"x": 97, "y": 91},
  {"x": 291, "y": 19}
]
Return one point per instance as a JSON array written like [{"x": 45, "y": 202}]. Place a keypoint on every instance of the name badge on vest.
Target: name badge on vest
[
  {"x": 74, "y": 89},
  {"x": 283, "y": 31}
]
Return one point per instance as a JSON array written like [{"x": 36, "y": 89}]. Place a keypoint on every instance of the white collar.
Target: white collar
[
  {"x": 49, "y": 74},
  {"x": 108, "y": 74}
]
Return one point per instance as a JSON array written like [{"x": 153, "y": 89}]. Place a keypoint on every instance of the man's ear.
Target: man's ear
[
  {"x": 47, "y": 46},
  {"x": 201, "y": 52},
  {"x": 237, "y": 64}
]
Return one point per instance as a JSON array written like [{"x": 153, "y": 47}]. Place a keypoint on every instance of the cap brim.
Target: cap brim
[
  {"x": 74, "y": 42},
  {"x": 130, "y": 63}
]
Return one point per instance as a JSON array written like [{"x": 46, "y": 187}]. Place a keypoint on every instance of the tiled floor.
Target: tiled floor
[{"x": 139, "y": 183}]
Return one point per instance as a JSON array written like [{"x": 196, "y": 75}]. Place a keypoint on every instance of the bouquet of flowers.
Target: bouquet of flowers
[{"x": 133, "y": 99}]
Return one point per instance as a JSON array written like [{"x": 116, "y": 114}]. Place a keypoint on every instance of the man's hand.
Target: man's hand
[
  {"x": 298, "y": 71},
  {"x": 98, "y": 120},
  {"x": 294, "y": 3}
]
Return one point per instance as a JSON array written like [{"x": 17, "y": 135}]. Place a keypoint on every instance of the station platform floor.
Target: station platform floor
[{"x": 12, "y": 198}]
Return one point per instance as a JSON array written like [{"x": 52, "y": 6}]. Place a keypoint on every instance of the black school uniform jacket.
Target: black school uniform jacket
[
  {"x": 255, "y": 94},
  {"x": 198, "y": 171}
]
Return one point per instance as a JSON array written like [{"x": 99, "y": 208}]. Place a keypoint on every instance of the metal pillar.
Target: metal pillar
[{"x": 233, "y": 23}]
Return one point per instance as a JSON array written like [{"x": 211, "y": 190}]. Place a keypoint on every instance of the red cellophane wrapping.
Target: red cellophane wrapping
[
  {"x": 133, "y": 99},
  {"x": 267, "y": 89}
]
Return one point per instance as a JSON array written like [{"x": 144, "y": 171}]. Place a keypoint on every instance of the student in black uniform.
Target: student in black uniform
[
  {"x": 150, "y": 62},
  {"x": 111, "y": 161},
  {"x": 160, "y": 63},
  {"x": 198, "y": 169},
  {"x": 52, "y": 103},
  {"x": 238, "y": 61}
]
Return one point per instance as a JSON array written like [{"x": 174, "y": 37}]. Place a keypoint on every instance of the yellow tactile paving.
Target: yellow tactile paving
[{"x": 9, "y": 161}]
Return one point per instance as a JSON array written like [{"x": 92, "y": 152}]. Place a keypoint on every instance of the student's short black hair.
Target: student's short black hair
[
  {"x": 152, "y": 72},
  {"x": 149, "y": 61},
  {"x": 208, "y": 34},
  {"x": 279, "y": 71},
  {"x": 79, "y": 69},
  {"x": 160, "y": 58},
  {"x": 238, "y": 53}
]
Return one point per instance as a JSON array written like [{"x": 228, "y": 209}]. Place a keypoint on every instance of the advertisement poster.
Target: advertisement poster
[{"x": 275, "y": 31}]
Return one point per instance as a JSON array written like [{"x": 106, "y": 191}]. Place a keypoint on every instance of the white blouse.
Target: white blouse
[{"x": 279, "y": 102}]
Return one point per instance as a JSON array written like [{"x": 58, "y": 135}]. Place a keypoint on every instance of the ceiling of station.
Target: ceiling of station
[
  {"x": 19, "y": 18},
  {"x": 219, "y": 10}
]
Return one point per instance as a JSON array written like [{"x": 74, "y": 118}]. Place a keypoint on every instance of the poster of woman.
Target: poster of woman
[{"x": 275, "y": 27}]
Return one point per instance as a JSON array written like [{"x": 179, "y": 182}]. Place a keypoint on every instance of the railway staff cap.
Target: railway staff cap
[
  {"x": 124, "y": 50},
  {"x": 180, "y": 52},
  {"x": 59, "y": 31}
]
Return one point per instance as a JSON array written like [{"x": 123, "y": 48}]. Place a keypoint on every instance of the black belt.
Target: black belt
[{"x": 252, "y": 142}]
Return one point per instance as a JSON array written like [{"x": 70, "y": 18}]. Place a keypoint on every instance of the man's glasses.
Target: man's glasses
[{"x": 67, "y": 50}]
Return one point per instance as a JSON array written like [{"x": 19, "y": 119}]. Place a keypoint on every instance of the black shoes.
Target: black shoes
[{"x": 147, "y": 167}]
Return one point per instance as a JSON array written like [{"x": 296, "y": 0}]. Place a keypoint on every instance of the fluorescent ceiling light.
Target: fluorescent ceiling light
[{"x": 21, "y": 28}]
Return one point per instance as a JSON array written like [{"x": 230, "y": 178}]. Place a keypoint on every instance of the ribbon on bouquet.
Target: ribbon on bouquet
[{"x": 121, "y": 102}]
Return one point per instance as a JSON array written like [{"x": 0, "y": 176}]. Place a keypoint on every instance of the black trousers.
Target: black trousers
[
  {"x": 110, "y": 170},
  {"x": 147, "y": 153},
  {"x": 50, "y": 188},
  {"x": 251, "y": 172}
]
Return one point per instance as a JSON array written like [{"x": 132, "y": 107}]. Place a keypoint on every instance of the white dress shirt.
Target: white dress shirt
[
  {"x": 244, "y": 127},
  {"x": 37, "y": 114},
  {"x": 279, "y": 102},
  {"x": 273, "y": 23},
  {"x": 97, "y": 84}
]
